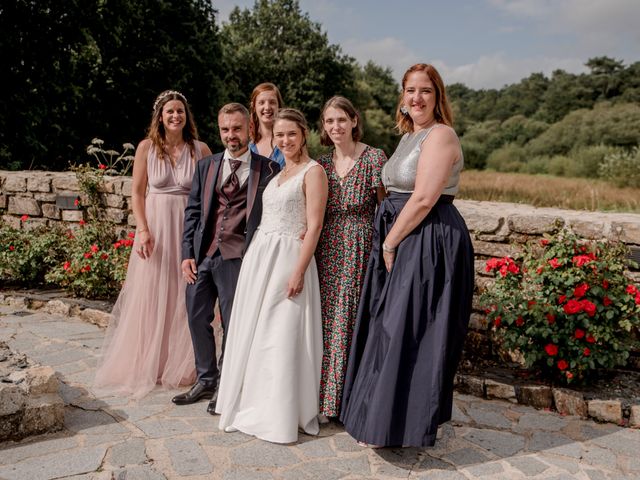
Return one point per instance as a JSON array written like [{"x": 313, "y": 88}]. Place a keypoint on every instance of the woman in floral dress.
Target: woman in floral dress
[{"x": 355, "y": 187}]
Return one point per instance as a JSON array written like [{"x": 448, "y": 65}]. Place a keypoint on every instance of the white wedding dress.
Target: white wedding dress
[{"x": 271, "y": 371}]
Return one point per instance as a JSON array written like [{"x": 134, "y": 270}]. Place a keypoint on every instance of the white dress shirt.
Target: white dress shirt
[{"x": 243, "y": 169}]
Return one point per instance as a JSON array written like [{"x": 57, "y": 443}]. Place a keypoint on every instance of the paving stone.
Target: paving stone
[
  {"x": 564, "y": 463},
  {"x": 624, "y": 441},
  {"x": 91, "y": 422},
  {"x": 346, "y": 443},
  {"x": 187, "y": 457},
  {"x": 605, "y": 410},
  {"x": 55, "y": 465},
  {"x": 458, "y": 416},
  {"x": 137, "y": 413},
  {"x": 432, "y": 463},
  {"x": 466, "y": 456},
  {"x": 244, "y": 474},
  {"x": 223, "y": 439},
  {"x": 263, "y": 454},
  {"x": 492, "y": 468},
  {"x": 198, "y": 409},
  {"x": 130, "y": 452},
  {"x": 159, "y": 428},
  {"x": 138, "y": 473},
  {"x": 503, "y": 444},
  {"x": 351, "y": 465},
  {"x": 594, "y": 455},
  {"x": 319, "y": 447},
  {"x": 209, "y": 424},
  {"x": 541, "y": 421},
  {"x": 595, "y": 475},
  {"x": 485, "y": 416},
  {"x": 442, "y": 475},
  {"x": 538, "y": 396},
  {"x": 313, "y": 471},
  {"x": 528, "y": 465},
  {"x": 109, "y": 439},
  {"x": 554, "y": 443},
  {"x": 34, "y": 448}
]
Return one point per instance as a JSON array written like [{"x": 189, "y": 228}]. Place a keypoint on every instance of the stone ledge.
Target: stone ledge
[
  {"x": 563, "y": 400},
  {"x": 29, "y": 400}
]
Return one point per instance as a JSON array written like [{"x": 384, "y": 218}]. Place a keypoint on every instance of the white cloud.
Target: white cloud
[
  {"x": 387, "y": 52},
  {"x": 497, "y": 70}
]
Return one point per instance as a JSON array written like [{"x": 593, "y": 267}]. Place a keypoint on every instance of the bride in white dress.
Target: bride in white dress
[{"x": 270, "y": 379}]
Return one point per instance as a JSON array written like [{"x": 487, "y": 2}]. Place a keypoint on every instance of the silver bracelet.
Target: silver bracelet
[{"x": 388, "y": 249}]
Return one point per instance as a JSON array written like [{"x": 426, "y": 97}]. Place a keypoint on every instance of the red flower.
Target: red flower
[
  {"x": 606, "y": 301},
  {"x": 102, "y": 166},
  {"x": 104, "y": 256},
  {"x": 24, "y": 218},
  {"x": 555, "y": 263},
  {"x": 94, "y": 248},
  {"x": 590, "y": 338},
  {"x": 530, "y": 304},
  {"x": 586, "y": 352},
  {"x": 580, "y": 290},
  {"x": 551, "y": 349},
  {"x": 605, "y": 284},
  {"x": 519, "y": 321},
  {"x": 579, "y": 333},
  {"x": 544, "y": 242},
  {"x": 539, "y": 270},
  {"x": 88, "y": 255},
  {"x": 66, "y": 266},
  {"x": 82, "y": 223},
  {"x": 497, "y": 321},
  {"x": 562, "y": 298},
  {"x": 631, "y": 289},
  {"x": 588, "y": 307},
  {"x": 87, "y": 268},
  {"x": 76, "y": 202},
  {"x": 569, "y": 375},
  {"x": 563, "y": 365},
  {"x": 11, "y": 248},
  {"x": 551, "y": 318},
  {"x": 127, "y": 242},
  {"x": 131, "y": 234},
  {"x": 572, "y": 306},
  {"x": 581, "y": 260},
  {"x": 637, "y": 298},
  {"x": 494, "y": 263}
]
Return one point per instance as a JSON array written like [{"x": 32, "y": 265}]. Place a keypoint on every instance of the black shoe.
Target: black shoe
[
  {"x": 211, "y": 408},
  {"x": 197, "y": 392}
]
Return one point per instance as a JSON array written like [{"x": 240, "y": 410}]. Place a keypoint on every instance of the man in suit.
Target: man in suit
[{"x": 222, "y": 214}]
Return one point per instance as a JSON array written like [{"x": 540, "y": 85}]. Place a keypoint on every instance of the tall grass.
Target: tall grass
[{"x": 548, "y": 191}]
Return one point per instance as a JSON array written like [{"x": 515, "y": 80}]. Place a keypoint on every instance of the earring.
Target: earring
[{"x": 404, "y": 110}]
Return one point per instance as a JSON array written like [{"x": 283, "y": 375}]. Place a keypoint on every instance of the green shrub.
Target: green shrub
[
  {"x": 622, "y": 168},
  {"x": 585, "y": 161},
  {"x": 566, "y": 306},
  {"x": 509, "y": 158}
]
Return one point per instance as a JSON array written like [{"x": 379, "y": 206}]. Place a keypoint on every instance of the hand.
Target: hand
[
  {"x": 389, "y": 258},
  {"x": 145, "y": 247},
  {"x": 189, "y": 270},
  {"x": 295, "y": 285}
]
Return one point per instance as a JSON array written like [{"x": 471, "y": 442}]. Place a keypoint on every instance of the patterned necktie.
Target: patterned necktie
[{"x": 232, "y": 184}]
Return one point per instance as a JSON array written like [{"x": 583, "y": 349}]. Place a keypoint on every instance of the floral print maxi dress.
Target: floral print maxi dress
[{"x": 342, "y": 256}]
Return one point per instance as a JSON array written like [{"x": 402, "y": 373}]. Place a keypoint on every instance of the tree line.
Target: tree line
[{"x": 79, "y": 69}]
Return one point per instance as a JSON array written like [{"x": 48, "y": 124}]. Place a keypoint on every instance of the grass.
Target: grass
[{"x": 548, "y": 191}]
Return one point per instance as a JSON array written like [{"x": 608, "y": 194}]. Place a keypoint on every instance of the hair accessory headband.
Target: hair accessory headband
[{"x": 164, "y": 95}]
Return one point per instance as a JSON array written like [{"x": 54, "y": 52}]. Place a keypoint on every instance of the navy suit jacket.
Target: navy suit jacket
[{"x": 199, "y": 216}]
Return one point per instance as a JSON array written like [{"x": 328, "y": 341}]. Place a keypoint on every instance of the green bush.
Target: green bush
[
  {"x": 27, "y": 254},
  {"x": 566, "y": 306},
  {"x": 585, "y": 161},
  {"x": 509, "y": 158},
  {"x": 622, "y": 168}
]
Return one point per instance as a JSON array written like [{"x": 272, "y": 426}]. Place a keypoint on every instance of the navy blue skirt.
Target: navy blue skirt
[{"x": 410, "y": 329}]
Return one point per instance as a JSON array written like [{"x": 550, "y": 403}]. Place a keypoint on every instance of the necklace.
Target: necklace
[{"x": 343, "y": 172}]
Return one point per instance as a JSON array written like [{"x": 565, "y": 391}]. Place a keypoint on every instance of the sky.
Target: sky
[{"x": 481, "y": 43}]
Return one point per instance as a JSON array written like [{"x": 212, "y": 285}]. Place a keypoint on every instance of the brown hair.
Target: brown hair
[
  {"x": 347, "y": 107},
  {"x": 254, "y": 124},
  {"x": 234, "y": 107},
  {"x": 156, "y": 132},
  {"x": 441, "y": 112},
  {"x": 295, "y": 116}
]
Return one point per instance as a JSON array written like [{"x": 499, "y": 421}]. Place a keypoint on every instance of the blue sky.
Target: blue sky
[{"x": 482, "y": 43}]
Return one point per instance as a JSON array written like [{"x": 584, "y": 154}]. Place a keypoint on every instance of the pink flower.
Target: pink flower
[
  {"x": 11, "y": 248},
  {"x": 66, "y": 266},
  {"x": 94, "y": 248},
  {"x": 24, "y": 218}
]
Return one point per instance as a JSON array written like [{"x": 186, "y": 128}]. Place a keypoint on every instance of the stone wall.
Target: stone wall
[{"x": 498, "y": 229}]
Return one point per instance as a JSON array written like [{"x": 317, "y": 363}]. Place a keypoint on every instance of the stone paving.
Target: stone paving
[{"x": 118, "y": 438}]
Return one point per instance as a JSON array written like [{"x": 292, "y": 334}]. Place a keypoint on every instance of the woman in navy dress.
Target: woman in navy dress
[{"x": 416, "y": 300}]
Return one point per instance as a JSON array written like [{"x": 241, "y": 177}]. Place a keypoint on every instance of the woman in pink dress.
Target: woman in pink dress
[{"x": 148, "y": 340}]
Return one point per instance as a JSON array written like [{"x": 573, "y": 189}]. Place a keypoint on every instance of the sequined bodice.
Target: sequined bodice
[
  {"x": 399, "y": 173},
  {"x": 284, "y": 208}
]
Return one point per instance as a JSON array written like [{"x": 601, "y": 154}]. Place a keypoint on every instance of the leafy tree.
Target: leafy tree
[{"x": 275, "y": 42}]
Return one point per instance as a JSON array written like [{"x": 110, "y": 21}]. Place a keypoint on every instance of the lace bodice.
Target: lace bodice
[{"x": 284, "y": 206}]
